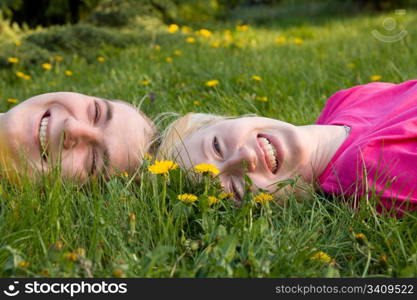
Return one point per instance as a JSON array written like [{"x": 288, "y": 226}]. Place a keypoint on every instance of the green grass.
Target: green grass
[{"x": 41, "y": 223}]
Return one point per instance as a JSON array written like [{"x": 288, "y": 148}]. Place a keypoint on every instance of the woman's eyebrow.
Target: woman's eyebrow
[{"x": 203, "y": 149}]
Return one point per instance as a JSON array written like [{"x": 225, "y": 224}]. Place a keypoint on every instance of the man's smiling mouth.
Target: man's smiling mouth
[{"x": 43, "y": 135}]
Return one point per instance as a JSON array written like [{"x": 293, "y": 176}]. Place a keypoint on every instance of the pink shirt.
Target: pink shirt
[{"x": 380, "y": 153}]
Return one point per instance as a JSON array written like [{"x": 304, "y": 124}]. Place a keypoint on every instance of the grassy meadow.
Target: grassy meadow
[{"x": 283, "y": 68}]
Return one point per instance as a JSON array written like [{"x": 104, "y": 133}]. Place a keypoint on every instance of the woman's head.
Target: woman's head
[
  {"x": 268, "y": 150},
  {"x": 86, "y": 135}
]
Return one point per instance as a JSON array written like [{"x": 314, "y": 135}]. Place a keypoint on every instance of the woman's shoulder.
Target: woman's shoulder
[{"x": 371, "y": 100}]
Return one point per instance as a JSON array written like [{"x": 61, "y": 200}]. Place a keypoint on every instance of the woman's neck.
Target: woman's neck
[{"x": 323, "y": 141}]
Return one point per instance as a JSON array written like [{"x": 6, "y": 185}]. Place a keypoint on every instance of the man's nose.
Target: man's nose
[
  {"x": 78, "y": 132},
  {"x": 242, "y": 156}
]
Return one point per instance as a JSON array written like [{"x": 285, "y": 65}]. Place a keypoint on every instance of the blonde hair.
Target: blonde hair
[{"x": 173, "y": 136}]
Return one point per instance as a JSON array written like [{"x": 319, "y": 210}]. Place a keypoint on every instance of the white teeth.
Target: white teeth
[
  {"x": 42, "y": 134},
  {"x": 271, "y": 153}
]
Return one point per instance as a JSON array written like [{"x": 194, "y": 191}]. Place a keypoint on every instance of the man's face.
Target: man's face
[{"x": 86, "y": 135}]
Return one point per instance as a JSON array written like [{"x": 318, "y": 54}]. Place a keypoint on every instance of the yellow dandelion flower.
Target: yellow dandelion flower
[
  {"x": 124, "y": 175},
  {"x": 206, "y": 168},
  {"x": 322, "y": 257},
  {"x": 58, "y": 58},
  {"x": 72, "y": 256},
  {"x": 101, "y": 59},
  {"x": 68, "y": 73},
  {"x": 215, "y": 44},
  {"x": 177, "y": 52},
  {"x": 263, "y": 198},
  {"x": 23, "y": 75},
  {"x": 148, "y": 157},
  {"x": 13, "y": 60},
  {"x": 298, "y": 41},
  {"x": 23, "y": 264},
  {"x": 118, "y": 273},
  {"x": 204, "y": 33},
  {"x": 228, "y": 35},
  {"x": 186, "y": 29},
  {"x": 157, "y": 48},
  {"x": 20, "y": 74},
  {"x": 242, "y": 28},
  {"x": 375, "y": 77},
  {"x": 80, "y": 252},
  {"x": 144, "y": 82},
  {"x": 360, "y": 238},
  {"x": 212, "y": 200},
  {"x": 196, "y": 102},
  {"x": 12, "y": 100},
  {"x": 256, "y": 78},
  {"x": 168, "y": 59},
  {"x": 212, "y": 83},
  {"x": 162, "y": 167},
  {"x": 46, "y": 66},
  {"x": 17, "y": 43},
  {"x": 132, "y": 217},
  {"x": 187, "y": 198},
  {"x": 262, "y": 99},
  {"x": 383, "y": 259},
  {"x": 226, "y": 195},
  {"x": 58, "y": 245},
  {"x": 190, "y": 40},
  {"x": 281, "y": 40},
  {"x": 173, "y": 28}
]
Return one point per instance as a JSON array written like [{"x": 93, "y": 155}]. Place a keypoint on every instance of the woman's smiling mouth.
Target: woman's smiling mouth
[
  {"x": 43, "y": 135},
  {"x": 270, "y": 153}
]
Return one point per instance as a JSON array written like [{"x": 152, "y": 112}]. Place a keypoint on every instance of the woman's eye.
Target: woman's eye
[
  {"x": 216, "y": 146},
  {"x": 97, "y": 112}
]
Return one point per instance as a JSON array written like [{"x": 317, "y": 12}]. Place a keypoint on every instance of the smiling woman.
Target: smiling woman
[
  {"x": 84, "y": 135},
  {"x": 363, "y": 143}
]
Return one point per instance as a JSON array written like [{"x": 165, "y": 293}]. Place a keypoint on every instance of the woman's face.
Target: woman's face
[
  {"x": 86, "y": 135},
  {"x": 271, "y": 150}
]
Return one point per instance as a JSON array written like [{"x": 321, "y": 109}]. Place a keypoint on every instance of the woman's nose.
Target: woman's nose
[
  {"x": 242, "y": 156},
  {"x": 76, "y": 132}
]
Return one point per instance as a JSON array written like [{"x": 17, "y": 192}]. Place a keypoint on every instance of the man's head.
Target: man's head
[{"x": 84, "y": 135}]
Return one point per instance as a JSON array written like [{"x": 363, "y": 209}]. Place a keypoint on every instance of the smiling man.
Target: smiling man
[{"x": 82, "y": 134}]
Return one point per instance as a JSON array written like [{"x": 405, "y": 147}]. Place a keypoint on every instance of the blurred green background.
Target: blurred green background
[{"x": 119, "y": 12}]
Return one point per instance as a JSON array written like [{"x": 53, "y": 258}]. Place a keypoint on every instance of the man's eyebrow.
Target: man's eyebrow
[
  {"x": 109, "y": 110},
  {"x": 109, "y": 116},
  {"x": 106, "y": 158}
]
